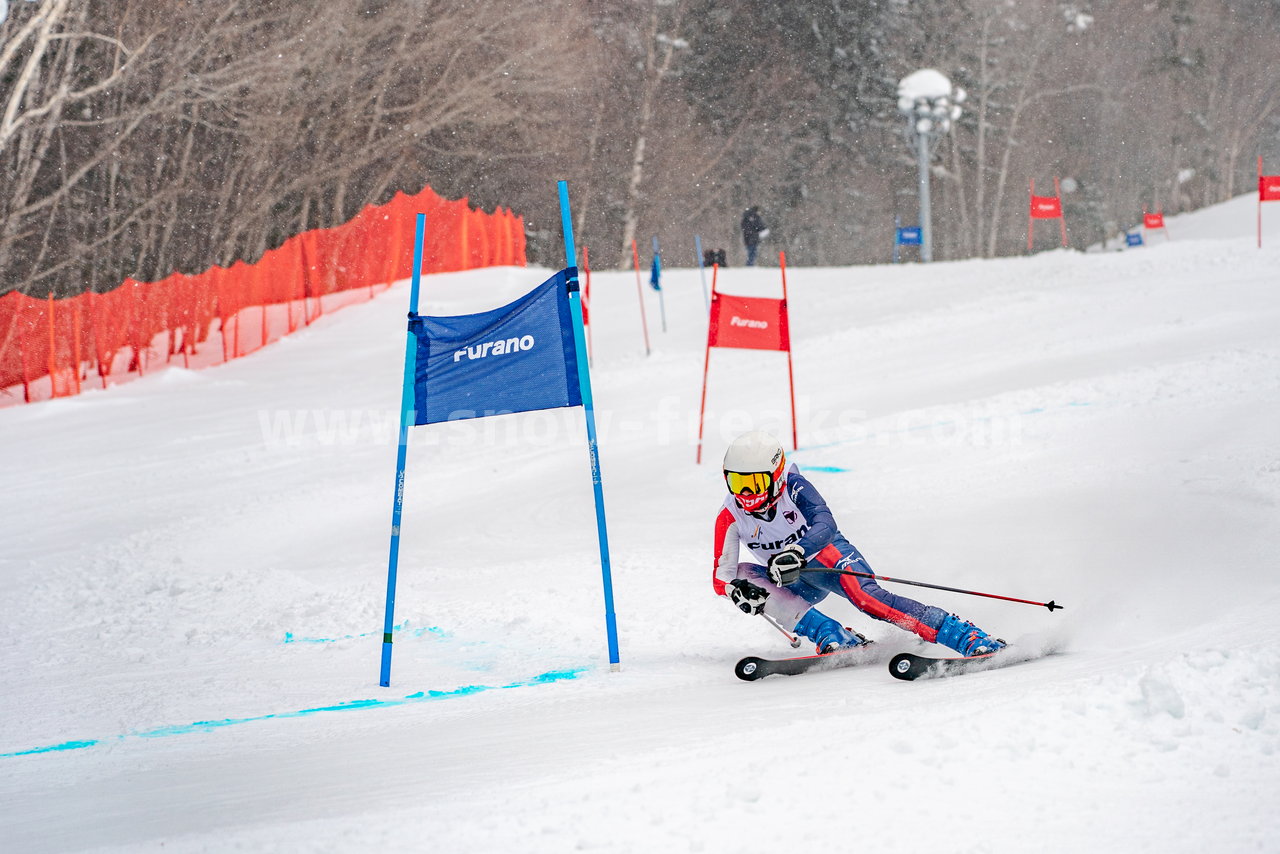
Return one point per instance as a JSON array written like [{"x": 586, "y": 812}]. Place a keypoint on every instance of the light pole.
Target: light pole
[{"x": 930, "y": 105}]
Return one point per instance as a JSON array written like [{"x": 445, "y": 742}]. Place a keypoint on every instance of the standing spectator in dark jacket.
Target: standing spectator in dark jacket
[{"x": 753, "y": 228}]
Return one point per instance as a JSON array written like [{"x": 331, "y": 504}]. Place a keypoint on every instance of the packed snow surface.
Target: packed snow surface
[{"x": 194, "y": 568}]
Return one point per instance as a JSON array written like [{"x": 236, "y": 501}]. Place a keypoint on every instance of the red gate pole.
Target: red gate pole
[
  {"x": 1259, "y": 201},
  {"x": 706, "y": 361},
  {"x": 1062, "y": 217},
  {"x": 644, "y": 324},
  {"x": 1031, "y": 217},
  {"x": 786, "y": 319}
]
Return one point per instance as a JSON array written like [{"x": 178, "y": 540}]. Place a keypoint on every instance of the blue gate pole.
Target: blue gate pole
[
  {"x": 589, "y": 411},
  {"x": 657, "y": 283},
  {"x": 406, "y": 421},
  {"x": 697, "y": 247}
]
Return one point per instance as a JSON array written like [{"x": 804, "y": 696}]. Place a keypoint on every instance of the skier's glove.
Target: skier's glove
[
  {"x": 785, "y": 566},
  {"x": 748, "y": 597}
]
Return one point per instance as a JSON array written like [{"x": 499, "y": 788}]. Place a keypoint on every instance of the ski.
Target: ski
[
  {"x": 752, "y": 668},
  {"x": 909, "y": 666}
]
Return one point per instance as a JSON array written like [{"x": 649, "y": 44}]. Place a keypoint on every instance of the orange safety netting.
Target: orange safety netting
[{"x": 52, "y": 348}]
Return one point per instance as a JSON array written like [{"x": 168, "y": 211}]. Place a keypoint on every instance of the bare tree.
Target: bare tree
[
  {"x": 140, "y": 138},
  {"x": 660, "y": 39}
]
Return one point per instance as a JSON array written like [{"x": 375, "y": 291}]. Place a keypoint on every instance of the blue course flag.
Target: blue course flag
[
  {"x": 1133, "y": 238},
  {"x": 910, "y": 236},
  {"x": 516, "y": 358}
]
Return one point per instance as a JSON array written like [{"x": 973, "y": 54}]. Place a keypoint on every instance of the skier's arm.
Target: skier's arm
[
  {"x": 822, "y": 525},
  {"x": 747, "y": 597},
  {"x": 725, "y": 568}
]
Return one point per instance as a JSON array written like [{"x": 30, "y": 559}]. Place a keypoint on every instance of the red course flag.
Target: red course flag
[
  {"x": 1268, "y": 191},
  {"x": 1046, "y": 207},
  {"x": 1269, "y": 188},
  {"x": 748, "y": 323},
  {"x": 1153, "y": 220}
]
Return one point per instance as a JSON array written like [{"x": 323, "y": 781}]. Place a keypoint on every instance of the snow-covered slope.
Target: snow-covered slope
[{"x": 191, "y": 585}]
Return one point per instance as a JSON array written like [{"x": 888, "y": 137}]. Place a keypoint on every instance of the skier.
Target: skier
[
  {"x": 785, "y": 525},
  {"x": 753, "y": 229}
]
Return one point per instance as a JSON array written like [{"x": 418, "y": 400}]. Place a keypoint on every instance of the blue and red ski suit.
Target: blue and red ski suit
[{"x": 745, "y": 541}]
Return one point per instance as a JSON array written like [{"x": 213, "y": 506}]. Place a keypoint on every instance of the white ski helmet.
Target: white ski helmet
[{"x": 755, "y": 470}]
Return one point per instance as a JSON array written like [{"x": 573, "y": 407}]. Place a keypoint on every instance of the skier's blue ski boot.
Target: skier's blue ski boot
[
  {"x": 827, "y": 635},
  {"x": 966, "y": 638}
]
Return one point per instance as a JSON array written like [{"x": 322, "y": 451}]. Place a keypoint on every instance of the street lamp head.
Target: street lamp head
[
  {"x": 926, "y": 83},
  {"x": 929, "y": 101}
]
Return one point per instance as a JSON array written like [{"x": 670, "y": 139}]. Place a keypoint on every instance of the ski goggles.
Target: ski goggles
[{"x": 751, "y": 483}]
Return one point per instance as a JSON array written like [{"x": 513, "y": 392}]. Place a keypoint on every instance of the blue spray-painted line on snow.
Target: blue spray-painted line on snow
[
  {"x": 1039, "y": 410},
  {"x": 403, "y": 633},
  {"x": 209, "y": 726},
  {"x": 290, "y": 637},
  {"x": 66, "y": 745}
]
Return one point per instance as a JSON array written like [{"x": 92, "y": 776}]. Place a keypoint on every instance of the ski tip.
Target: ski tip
[
  {"x": 909, "y": 666},
  {"x": 749, "y": 669},
  {"x": 904, "y": 666}
]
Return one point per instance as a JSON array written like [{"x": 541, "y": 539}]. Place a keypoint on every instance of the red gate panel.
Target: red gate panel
[
  {"x": 1046, "y": 207},
  {"x": 748, "y": 323}
]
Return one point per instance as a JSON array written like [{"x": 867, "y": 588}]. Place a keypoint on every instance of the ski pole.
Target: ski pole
[
  {"x": 1051, "y": 605},
  {"x": 795, "y": 641}
]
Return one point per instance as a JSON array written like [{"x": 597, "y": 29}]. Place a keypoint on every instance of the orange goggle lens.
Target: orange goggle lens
[{"x": 752, "y": 483}]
